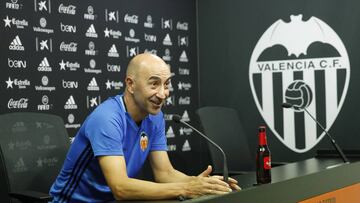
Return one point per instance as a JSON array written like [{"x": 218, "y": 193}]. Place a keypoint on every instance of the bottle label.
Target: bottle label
[{"x": 267, "y": 163}]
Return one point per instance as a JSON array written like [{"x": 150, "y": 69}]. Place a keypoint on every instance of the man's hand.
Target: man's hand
[
  {"x": 232, "y": 182},
  {"x": 204, "y": 184}
]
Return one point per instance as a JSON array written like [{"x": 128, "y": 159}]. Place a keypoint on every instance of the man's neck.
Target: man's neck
[{"x": 132, "y": 109}]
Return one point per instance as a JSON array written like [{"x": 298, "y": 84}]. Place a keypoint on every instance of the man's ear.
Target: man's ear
[{"x": 129, "y": 84}]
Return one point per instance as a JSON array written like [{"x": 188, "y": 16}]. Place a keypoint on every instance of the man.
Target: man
[{"x": 115, "y": 140}]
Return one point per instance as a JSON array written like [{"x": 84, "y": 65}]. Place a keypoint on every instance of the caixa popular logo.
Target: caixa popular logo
[{"x": 305, "y": 63}]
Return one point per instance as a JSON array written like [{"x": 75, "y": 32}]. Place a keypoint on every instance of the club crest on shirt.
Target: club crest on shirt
[{"x": 143, "y": 141}]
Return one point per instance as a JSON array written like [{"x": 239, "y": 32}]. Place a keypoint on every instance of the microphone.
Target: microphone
[
  {"x": 177, "y": 119},
  {"x": 335, "y": 145}
]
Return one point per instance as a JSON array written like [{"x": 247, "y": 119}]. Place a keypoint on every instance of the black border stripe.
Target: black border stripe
[
  {"x": 78, "y": 178},
  {"x": 78, "y": 165}
]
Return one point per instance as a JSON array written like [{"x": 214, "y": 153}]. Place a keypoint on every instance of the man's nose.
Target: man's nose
[{"x": 162, "y": 93}]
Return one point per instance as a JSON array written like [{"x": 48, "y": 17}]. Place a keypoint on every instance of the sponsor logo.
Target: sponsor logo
[
  {"x": 43, "y": 44},
  {"x": 113, "y": 68},
  {"x": 167, "y": 40},
  {"x": 45, "y": 106},
  {"x": 91, "y": 32},
  {"x": 42, "y": 6},
  {"x": 166, "y": 24},
  {"x": 171, "y": 87},
  {"x": 42, "y": 27},
  {"x": 44, "y": 87},
  {"x": 16, "y": 44},
  {"x": 44, "y": 125},
  {"x": 184, "y": 101},
  {"x": 90, "y": 13},
  {"x": 134, "y": 19},
  {"x": 132, "y": 37},
  {"x": 92, "y": 69},
  {"x": 184, "y": 86},
  {"x": 13, "y": 63},
  {"x": 72, "y": 66},
  {"x": 21, "y": 84},
  {"x": 22, "y": 103},
  {"x": 171, "y": 147},
  {"x": 111, "y": 16},
  {"x": 18, "y": 126},
  {"x": 68, "y": 47},
  {"x": 170, "y": 101},
  {"x": 20, "y": 24},
  {"x": 70, "y": 103},
  {"x": 148, "y": 23},
  {"x": 183, "y": 41},
  {"x": 92, "y": 102},
  {"x": 113, "y": 51},
  {"x": 44, "y": 66},
  {"x": 67, "y": 28},
  {"x": 185, "y": 131},
  {"x": 115, "y": 34},
  {"x": 149, "y": 38},
  {"x": 183, "y": 57},
  {"x": 70, "y": 9},
  {"x": 186, "y": 146},
  {"x": 19, "y": 145},
  {"x": 131, "y": 51},
  {"x": 170, "y": 133},
  {"x": 185, "y": 116},
  {"x": 47, "y": 162},
  {"x": 300, "y": 76},
  {"x": 151, "y": 51},
  {"x": 93, "y": 86},
  {"x": 184, "y": 71},
  {"x": 71, "y": 124},
  {"x": 182, "y": 26},
  {"x": 68, "y": 84},
  {"x": 113, "y": 85},
  {"x": 19, "y": 166},
  {"x": 91, "y": 51},
  {"x": 13, "y": 5},
  {"x": 167, "y": 56}
]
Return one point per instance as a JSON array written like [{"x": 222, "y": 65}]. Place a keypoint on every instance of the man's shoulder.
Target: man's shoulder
[
  {"x": 109, "y": 109},
  {"x": 157, "y": 119}
]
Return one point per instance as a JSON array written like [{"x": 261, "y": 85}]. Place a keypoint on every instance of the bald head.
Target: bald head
[{"x": 143, "y": 62}]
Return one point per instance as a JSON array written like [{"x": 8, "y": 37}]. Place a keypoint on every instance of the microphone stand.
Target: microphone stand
[
  {"x": 225, "y": 167},
  {"x": 335, "y": 145}
]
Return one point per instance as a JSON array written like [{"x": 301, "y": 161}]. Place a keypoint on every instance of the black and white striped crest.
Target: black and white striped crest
[{"x": 304, "y": 63}]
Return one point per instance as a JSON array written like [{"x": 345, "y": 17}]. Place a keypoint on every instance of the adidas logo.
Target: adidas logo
[
  {"x": 183, "y": 57},
  {"x": 70, "y": 103},
  {"x": 167, "y": 40},
  {"x": 91, "y": 32},
  {"x": 93, "y": 86},
  {"x": 16, "y": 44},
  {"x": 185, "y": 116},
  {"x": 170, "y": 133},
  {"x": 113, "y": 51},
  {"x": 44, "y": 65},
  {"x": 186, "y": 146},
  {"x": 20, "y": 166}
]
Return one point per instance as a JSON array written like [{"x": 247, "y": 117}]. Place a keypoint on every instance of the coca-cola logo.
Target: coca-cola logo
[
  {"x": 71, "y": 47},
  {"x": 18, "y": 104},
  {"x": 71, "y": 9}
]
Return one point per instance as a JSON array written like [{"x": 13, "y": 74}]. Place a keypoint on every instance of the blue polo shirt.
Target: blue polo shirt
[{"x": 108, "y": 130}]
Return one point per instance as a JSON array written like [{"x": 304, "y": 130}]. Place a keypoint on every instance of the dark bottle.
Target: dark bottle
[{"x": 263, "y": 159}]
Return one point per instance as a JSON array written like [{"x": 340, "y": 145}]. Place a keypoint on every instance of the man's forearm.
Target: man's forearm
[
  {"x": 172, "y": 176},
  {"x": 139, "y": 189}
]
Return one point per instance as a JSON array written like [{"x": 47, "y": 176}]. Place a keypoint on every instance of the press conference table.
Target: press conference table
[{"x": 293, "y": 182}]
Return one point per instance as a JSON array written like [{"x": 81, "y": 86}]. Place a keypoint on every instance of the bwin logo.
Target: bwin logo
[{"x": 305, "y": 63}]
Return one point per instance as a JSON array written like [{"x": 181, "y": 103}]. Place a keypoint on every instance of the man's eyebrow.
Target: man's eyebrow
[{"x": 154, "y": 77}]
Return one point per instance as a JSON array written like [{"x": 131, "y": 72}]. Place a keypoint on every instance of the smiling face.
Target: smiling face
[{"x": 148, "y": 80}]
